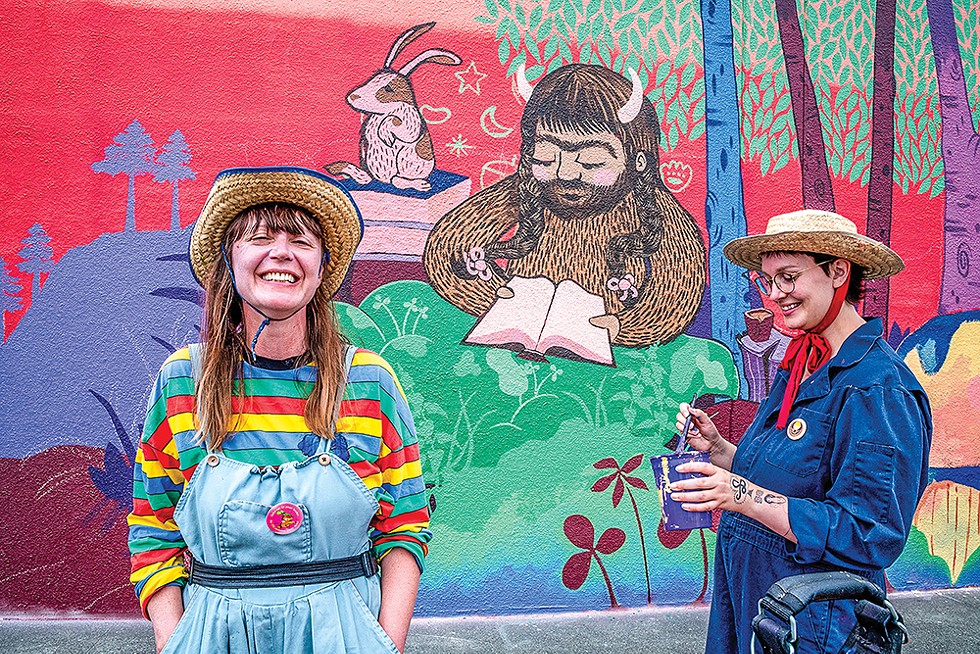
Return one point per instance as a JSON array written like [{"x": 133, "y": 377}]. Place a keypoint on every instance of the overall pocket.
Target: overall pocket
[{"x": 244, "y": 538}]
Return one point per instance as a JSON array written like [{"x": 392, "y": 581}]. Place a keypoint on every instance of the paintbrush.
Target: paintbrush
[{"x": 682, "y": 439}]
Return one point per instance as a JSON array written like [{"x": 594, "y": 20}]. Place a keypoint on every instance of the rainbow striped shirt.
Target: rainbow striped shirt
[{"x": 374, "y": 424}]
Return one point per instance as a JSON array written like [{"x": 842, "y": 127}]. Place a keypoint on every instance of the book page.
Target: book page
[
  {"x": 516, "y": 320},
  {"x": 568, "y": 327}
]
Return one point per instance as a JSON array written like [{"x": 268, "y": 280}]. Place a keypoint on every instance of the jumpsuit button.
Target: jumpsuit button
[
  {"x": 212, "y": 460},
  {"x": 324, "y": 459}
]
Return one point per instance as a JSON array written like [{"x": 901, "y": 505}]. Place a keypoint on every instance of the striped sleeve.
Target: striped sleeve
[
  {"x": 386, "y": 456},
  {"x": 155, "y": 544}
]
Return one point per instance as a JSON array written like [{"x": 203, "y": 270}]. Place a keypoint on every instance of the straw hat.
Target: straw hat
[
  {"x": 237, "y": 189},
  {"x": 822, "y": 232}
]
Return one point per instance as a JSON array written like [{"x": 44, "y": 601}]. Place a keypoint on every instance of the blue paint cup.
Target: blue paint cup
[{"x": 665, "y": 473}]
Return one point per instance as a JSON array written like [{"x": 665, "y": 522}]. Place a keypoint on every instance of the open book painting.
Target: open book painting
[{"x": 545, "y": 319}]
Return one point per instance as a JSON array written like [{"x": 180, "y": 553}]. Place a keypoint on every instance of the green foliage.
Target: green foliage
[
  {"x": 968, "y": 30},
  {"x": 918, "y": 160},
  {"x": 474, "y": 405},
  {"x": 767, "y": 119},
  {"x": 660, "y": 39}
]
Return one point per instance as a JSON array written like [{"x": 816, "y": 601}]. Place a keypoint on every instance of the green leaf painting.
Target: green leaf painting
[
  {"x": 617, "y": 34},
  {"x": 661, "y": 40}
]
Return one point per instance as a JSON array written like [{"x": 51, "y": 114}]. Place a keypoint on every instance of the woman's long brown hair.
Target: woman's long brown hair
[{"x": 226, "y": 345}]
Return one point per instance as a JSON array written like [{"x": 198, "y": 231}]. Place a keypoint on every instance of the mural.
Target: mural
[{"x": 544, "y": 212}]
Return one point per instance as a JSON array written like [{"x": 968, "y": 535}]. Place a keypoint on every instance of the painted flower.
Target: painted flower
[{"x": 625, "y": 286}]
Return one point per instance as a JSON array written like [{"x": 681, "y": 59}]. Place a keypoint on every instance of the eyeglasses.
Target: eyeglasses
[{"x": 785, "y": 282}]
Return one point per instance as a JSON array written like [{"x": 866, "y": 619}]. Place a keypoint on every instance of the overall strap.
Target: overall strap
[
  {"x": 348, "y": 359},
  {"x": 194, "y": 349}
]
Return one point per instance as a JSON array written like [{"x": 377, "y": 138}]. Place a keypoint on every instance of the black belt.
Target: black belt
[{"x": 289, "y": 574}]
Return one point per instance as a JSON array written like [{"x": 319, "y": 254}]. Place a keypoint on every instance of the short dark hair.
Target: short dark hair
[{"x": 855, "y": 286}]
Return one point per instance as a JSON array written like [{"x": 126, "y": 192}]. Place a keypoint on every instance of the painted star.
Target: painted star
[
  {"x": 470, "y": 78},
  {"x": 458, "y": 146}
]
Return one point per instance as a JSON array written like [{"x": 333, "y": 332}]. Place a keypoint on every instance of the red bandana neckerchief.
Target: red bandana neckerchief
[{"x": 808, "y": 350}]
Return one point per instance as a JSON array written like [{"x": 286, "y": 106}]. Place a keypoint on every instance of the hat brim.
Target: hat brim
[
  {"x": 877, "y": 259},
  {"x": 237, "y": 189}
]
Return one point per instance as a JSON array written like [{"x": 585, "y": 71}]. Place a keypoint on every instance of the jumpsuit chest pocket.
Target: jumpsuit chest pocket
[
  {"x": 244, "y": 536},
  {"x": 801, "y": 454}
]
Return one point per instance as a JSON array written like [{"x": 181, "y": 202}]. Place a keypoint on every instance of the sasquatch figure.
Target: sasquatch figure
[{"x": 586, "y": 204}]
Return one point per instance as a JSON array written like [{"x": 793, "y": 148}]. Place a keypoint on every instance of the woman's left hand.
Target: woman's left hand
[
  {"x": 720, "y": 489},
  {"x": 714, "y": 490}
]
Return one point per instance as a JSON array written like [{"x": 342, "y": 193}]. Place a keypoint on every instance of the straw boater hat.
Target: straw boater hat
[
  {"x": 237, "y": 189},
  {"x": 822, "y": 232}
]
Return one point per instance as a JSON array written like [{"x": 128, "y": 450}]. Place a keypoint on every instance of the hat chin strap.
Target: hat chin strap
[
  {"x": 266, "y": 319},
  {"x": 809, "y": 350}
]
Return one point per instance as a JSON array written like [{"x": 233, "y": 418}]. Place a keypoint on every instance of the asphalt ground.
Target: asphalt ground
[{"x": 941, "y": 622}]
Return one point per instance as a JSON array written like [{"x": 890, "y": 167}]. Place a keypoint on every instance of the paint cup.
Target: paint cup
[
  {"x": 665, "y": 473},
  {"x": 758, "y": 323}
]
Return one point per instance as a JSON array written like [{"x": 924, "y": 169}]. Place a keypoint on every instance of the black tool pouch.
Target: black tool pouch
[{"x": 879, "y": 628}]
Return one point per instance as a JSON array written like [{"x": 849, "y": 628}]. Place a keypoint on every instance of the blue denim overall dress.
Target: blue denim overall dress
[{"x": 222, "y": 518}]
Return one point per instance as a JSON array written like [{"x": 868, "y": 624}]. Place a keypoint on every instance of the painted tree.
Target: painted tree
[
  {"x": 818, "y": 192},
  {"x": 132, "y": 154},
  {"x": 36, "y": 255},
  {"x": 173, "y": 159},
  {"x": 880, "y": 183},
  {"x": 10, "y": 299},
  {"x": 961, "y": 158},
  {"x": 724, "y": 211}
]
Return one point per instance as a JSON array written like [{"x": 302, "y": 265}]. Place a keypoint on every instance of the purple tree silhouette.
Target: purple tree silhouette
[
  {"x": 10, "y": 299},
  {"x": 173, "y": 159},
  {"x": 818, "y": 192},
  {"x": 132, "y": 155},
  {"x": 960, "y": 144},
  {"x": 37, "y": 256},
  {"x": 881, "y": 181},
  {"x": 581, "y": 533},
  {"x": 622, "y": 485}
]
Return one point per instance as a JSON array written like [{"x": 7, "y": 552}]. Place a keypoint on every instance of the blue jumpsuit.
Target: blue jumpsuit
[
  {"x": 853, "y": 478},
  {"x": 223, "y": 519}
]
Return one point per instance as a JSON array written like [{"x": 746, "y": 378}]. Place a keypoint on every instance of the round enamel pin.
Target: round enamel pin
[
  {"x": 284, "y": 518},
  {"x": 796, "y": 429}
]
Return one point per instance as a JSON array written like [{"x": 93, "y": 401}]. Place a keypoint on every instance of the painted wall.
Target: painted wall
[{"x": 118, "y": 114}]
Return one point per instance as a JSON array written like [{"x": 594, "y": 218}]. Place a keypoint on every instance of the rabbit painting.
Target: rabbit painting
[{"x": 395, "y": 144}]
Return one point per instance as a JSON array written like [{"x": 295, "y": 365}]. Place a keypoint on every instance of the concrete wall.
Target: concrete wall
[{"x": 117, "y": 116}]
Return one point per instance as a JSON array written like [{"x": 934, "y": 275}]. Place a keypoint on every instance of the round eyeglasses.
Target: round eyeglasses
[{"x": 785, "y": 282}]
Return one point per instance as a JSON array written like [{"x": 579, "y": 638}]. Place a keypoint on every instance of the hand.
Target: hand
[
  {"x": 608, "y": 322},
  {"x": 720, "y": 489},
  {"x": 713, "y": 490},
  {"x": 476, "y": 264},
  {"x": 703, "y": 435},
  {"x": 505, "y": 292}
]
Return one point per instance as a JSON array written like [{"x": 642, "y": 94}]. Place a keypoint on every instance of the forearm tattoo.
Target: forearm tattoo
[{"x": 742, "y": 491}]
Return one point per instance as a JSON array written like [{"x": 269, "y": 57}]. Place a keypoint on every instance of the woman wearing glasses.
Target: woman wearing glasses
[{"x": 829, "y": 473}]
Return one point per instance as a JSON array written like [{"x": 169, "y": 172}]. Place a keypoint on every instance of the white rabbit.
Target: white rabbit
[{"x": 395, "y": 144}]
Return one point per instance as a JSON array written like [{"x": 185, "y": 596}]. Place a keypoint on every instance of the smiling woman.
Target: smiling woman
[
  {"x": 283, "y": 534},
  {"x": 830, "y": 471}
]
